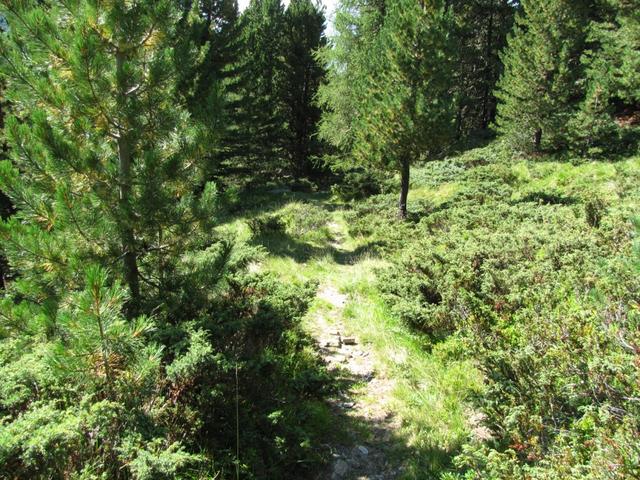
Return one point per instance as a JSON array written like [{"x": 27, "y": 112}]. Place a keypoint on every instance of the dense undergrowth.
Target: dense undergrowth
[
  {"x": 530, "y": 264},
  {"x": 78, "y": 405},
  {"x": 511, "y": 291},
  {"x": 517, "y": 271}
]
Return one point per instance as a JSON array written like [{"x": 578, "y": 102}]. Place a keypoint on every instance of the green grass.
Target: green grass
[
  {"x": 430, "y": 389},
  {"x": 601, "y": 177}
]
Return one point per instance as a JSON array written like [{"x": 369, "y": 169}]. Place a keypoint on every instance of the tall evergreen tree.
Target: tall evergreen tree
[
  {"x": 610, "y": 110},
  {"x": 304, "y": 35},
  {"x": 538, "y": 90},
  {"x": 395, "y": 63},
  {"x": 355, "y": 33},
  {"x": 481, "y": 28},
  {"x": 258, "y": 140},
  {"x": 210, "y": 79}
]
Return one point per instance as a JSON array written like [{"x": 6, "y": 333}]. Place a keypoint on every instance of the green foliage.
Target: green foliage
[
  {"x": 130, "y": 315},
  {"x": 545, "y": 303},
  {"x": 569, "y": 78},
  {"x": 594, "y": 209},
  {"x": 300, "y": 221},
  {"x": 539, "y": 86},
  {"x": 395, "y": 63},
  {"x": 98, "y": 392},
  {"x": 265, "y": 224},
  {"x": 100, "y": 180},
  {"x": 481, "y": 28},
  {"x": 87, "y": 381},
  {"x": 607, "y": 119},
  {"x": 304, "y": 27},
  {"x": 259, "y": 109},
  {"x": 156, "y": 460},
  {"x": 138, "y": 338},
  {"x": 272, "y": 113},
  {"x": 357, "y": 184}
]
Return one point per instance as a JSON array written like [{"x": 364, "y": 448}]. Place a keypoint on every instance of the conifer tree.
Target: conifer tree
[
  {"x": 210, "y": 80},
  {"x": 481, "y": 28},
  {"x": 259, "y": 110},
  {"x": 104, "y": 162},
  {"x": 304, "y": 21},
  {"x": 610, "y": 109},
  {"x": 395, "y": 63},
  {"x": 538, "y": 90}
]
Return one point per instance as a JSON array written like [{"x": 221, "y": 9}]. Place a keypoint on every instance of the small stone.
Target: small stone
[
  {"x": 349, "y": 341},
  {"x": 332, "y": 344},
  {"x": 347, "y": 405},
  {"x": 362, "y": 450},
  {"x": 340, "y": 469},
  {"x": 335, "y": 333}
]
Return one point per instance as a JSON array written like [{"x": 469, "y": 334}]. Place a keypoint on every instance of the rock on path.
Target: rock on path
[{"x": 365, "y": 458}]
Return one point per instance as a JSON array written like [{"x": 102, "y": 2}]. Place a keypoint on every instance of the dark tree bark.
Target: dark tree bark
[
  {"x": 488, "y": 84},
  {"x": 6, "y": 210},
  {"x": 537, "y": 139},
  {"x": 127, "y": 236},
  {"x": 404, "y": 188}
]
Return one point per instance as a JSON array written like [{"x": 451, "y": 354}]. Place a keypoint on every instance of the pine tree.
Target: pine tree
[
  {"x": 104, "y": 162},
  {"x": 388, "y": 95},
  {"x": 259, "y": 110},
  {"x": 538, "y": 90},
  {"x": 610, "y": 111},
  {"x": 481, "y": 28},
  {"x": 304, "y": 22},
  {"x": 209, "y": 81}
]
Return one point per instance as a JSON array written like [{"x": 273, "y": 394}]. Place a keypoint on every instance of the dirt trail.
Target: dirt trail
[{"x": 365, "y": 405}]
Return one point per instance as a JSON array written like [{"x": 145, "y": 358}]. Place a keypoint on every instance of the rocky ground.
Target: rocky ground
[{"x": 365, "y": 405}]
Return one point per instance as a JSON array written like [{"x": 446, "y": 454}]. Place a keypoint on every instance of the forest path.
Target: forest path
[
  {"x": 397, "y": 410},
  {"x": 364, "y": 406}
]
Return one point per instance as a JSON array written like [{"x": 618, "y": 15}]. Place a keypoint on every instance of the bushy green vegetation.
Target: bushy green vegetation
[
  {"x": 134, "y": 340},
  {"x": 89, "y": 392},
  {"x": 530, "y": 263}
]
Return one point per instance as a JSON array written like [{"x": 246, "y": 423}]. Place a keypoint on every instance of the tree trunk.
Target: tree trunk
[
  {"x": 459, "y": 122},
  {"x": 488, "y": 71},
  {"x": 127, "y": 237},
  {"x": 404, "y": 189},
  {"x": 537, "y": 139}
]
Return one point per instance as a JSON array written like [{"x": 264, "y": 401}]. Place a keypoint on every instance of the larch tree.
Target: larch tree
[{"x": 388, "y": 97}]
